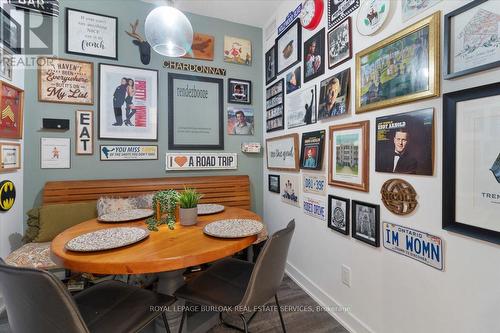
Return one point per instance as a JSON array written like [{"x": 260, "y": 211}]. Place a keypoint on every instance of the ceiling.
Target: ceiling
[{"x": 251, "y": 12}]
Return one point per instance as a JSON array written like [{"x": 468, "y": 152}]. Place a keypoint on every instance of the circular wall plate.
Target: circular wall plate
[{"x": 371, "y": 16}]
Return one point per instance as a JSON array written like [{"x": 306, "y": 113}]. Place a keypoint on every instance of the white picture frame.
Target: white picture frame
[{"x": 55, "y": 153}]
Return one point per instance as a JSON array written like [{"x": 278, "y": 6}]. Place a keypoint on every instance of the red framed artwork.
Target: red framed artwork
[{"x": 11, "y": 115}]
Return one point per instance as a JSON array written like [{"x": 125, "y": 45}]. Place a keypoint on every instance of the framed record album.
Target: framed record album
[{"x": 312, "y": 150}]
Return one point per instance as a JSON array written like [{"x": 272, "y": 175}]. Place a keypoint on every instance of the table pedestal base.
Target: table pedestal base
[{"x": 168, "y": 283}]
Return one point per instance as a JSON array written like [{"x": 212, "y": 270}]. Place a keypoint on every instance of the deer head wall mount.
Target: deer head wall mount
[{"x": 144, "y": 47}]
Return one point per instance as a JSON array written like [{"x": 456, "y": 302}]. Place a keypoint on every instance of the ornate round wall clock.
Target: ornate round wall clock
[
  {"x": 371, "y": 16},
  {"x": 312, "y": 13}
]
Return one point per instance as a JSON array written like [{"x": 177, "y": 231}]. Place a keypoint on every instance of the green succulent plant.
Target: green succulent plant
[{"x": 189, "y": 198}]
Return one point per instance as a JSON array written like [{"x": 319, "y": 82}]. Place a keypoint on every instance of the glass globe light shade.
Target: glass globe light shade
[{"x": 169, "y": 31}]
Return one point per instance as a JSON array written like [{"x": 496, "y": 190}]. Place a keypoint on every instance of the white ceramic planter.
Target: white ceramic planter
[{"x": 188, "y": 216}]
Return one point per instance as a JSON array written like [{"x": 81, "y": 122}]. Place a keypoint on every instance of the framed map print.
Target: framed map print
[{"x": 11, "y": 108}]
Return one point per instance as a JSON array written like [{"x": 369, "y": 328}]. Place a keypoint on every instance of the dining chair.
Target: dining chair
[
  {"x": 240, "y": 286},
  {"x": 37, "y": 301}
]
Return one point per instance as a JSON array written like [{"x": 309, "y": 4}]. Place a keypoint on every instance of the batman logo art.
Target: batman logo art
[{"x": 7, "y": 195}]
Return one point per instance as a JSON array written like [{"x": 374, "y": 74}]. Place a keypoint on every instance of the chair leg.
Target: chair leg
[
  {"x": 279, "y": 312},
  {"x": 245, "y": 326},
  {"x": 184, "y": 313},
  {"x": 165, "y": 322}
]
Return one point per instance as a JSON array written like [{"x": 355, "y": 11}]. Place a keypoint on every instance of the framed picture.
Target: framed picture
[
  {"x": 275, "y": 107},
  {"x": 340, "y": 44},
  {"x": 283, "y": 153},
  {"x": 237, "y": 50},
  {"x": 6, "y": 63},
  {"x": 293, "y": 80},
  {"x": 339, "y": 214},
  {"x": 289, "y": 47},
  {"x": 128, "y": 103},
  {"x": 128, "y": 152},
  {"x": 471, "y": 162},
  {"x": 400, "y": 69},
  {"x": 302, "y": 108},
  {"x": 65, "y": 81},
  {"x": 195, "y": 112},
  {"x": 91, "y": 34},
  {"x": 335, "y": 95},
  {"x": 55, "y": 153},
  {"x": 311, "y": 156},
  {"x": 372, "y": 15},
  {"x": 270, "y": 64},
  {"x": 239, "y": 91},
  {"x": 412, "y": 8},
  {"x": 405, "y": 143},
  {"x": 84, "y": 132},
  {"x": 471, "y": 42},
  {"x": 12, "y": 109},
  {"x": 314, "y": 56},
  {"x": 202, "y": 47},
  {"x": 273, "y": 183},
  {"x": 10, "y": 32},
  {"x": 240, "y": 121},
  {"x": 366, "y": 222},
  {"x": 290, "y": 189},
  {"x": 10, "y": 156},
  {"x": 339, "y": 10},
  {"x": 349, "y": 155}
]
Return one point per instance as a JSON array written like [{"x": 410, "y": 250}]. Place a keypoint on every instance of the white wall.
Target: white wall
[{"x": 391, "y": 293}]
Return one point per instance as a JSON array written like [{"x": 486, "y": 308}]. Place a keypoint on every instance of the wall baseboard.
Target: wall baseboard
[{"x": 345, "y": 318}]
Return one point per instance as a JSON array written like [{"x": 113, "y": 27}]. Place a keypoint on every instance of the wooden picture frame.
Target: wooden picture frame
[
  {"x": 10, "y": 156},
  {"x": 270, "y": 63},
  {"x": 366, "y": 215},
  {"x": 12, "y": 105},
  {"x": 330, "y": 39},
  {"x": 278, "y": 150},
  {"x": 269, "y": 188},
  {"x": 84, "y": 132},
  {"x": 57, "y": 91},
  {"x": 339, "y": 215},
  {"x": 350, "y": 156},
  {"x": 287, "y": 50},
  {"x": 400, "y": 77},
  {"x": 234, "y": 97},
  {"x": 470, "y": 203}
]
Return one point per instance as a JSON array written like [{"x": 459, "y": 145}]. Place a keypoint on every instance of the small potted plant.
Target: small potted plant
[{"x": 188, "y": 206}]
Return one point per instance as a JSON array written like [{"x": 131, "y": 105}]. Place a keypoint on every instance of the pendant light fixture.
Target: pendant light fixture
[{"x": 169, "y": 31}]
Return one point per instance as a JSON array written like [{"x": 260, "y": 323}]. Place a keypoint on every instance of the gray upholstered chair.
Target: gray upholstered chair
[
  {"x": 38, "y": 302},
  {"x": 242, "y": 286}
]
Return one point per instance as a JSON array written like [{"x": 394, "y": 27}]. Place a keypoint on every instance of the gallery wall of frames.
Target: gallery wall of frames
[{"x": 381, "y": 141}]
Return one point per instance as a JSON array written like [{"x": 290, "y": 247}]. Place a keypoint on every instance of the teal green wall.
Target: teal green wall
[{"x": 89, "y": 167}]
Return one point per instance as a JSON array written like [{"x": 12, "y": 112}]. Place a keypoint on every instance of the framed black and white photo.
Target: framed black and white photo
[
  {"x": 128, "y": 103},
  {"x": 314, "y": 56},
  {"x": 274, "y": 183},
  {"x": 471, "y": 38},
  {"x": 339, "y": 214},
  {"x": 302, "y": 107},
  {"x": 471, "y": 163},
  {"x": 289, "y": 47},
  {"x": 239, "y": 91},
  {"x": 195, "y": 112},
  {"x": 366, "y": 222},
  {"x": 6, "y": 63},
  {"x": 91, "y": 34},
  {"x": 270, "y": 64},
  {"x": 340, "y": 44},
  {"x": 10, "y": 32}
]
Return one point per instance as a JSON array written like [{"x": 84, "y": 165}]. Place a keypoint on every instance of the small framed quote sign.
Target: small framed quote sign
[
  {"x": 128, "y": 152},
  {"x": 65, "y": 81},
  {"x": 283, "y": 153},
  {"x": 84, "y": 132}
]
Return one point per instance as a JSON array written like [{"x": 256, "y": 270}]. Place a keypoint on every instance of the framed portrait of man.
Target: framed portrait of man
[
  {"x": 335, "y": 95},
  {"x": 314, "y": 56}
]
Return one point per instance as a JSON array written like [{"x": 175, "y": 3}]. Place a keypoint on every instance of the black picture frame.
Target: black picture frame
[
  {"x": 270, "y": 117},
  {"x": 310, "y": 141},
  {"x": 450, "y": 222},
  {"x": 6, "y": 33},
  {"x": 447, "y": 44},
  {"x": 171, "y": 112},
  {"x": 349, "y": 27},
  {"x": 295, "y": 25},
  {"x": 247, "y": 100},
  {"x": 376, "y": 242},
  {"x": 319, "y": 38},
  {"x": 347, "y": 214},
  {"x": 269, "y": 183},
  {"x": 68, "y": 35},
  {"x": 271, "y": 73}
]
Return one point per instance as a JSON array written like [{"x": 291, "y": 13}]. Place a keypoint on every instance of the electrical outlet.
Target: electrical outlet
[{"x": 346, "y": 275}]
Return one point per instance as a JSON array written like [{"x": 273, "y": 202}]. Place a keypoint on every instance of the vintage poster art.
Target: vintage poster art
[
  {"x": 290, "y": 189},
  {"x": 128, "y": 103},
  {"x": 302, "y": 108},
  {"x": 202, "y": 47},
  {"x": 237, "y": 50},
  {"x": 239, "y": 91},
  {"x": 128, "y": 153},
  {"x": 6, "y": 63},
  {"x": 10, "y": 156},
  {"x": 293, "y": 80},
  {"x": 273, "y": 183},
  {"x": 340, "y": 9},
  {"x": 400, "y": 69},
  {"x": 372, "y": 15},
  {"x": 405, "y": 143},
  {"x": 339, "y": 214},
  {"x": 240, "y": 121},
  {"x": 366, "y": 222},
  {"x": 335, "y": 95},
  {"x": 65, "y": 81},
  {"x": 91, "y": 34},
  {"x": 312, "y": 150},
  {"x": 314, "y": 184},
  {"x": 471, "y": 191},
  {"x": 412, "y": 8},
  {"x": 84, "y": 131},
  {"x": 289, "y": 47},
  {"x": 270, "y": 63},
  {"x": 11, "y": 108},
  {"x": 340, "y": 44},
  {"x": 472, "y": 38},
  {"x": 201, "y": 161},
  {"x": 283, "y": 153},
  {"x": 55, "y": 153},
  {"x": 349, "y": 156},
  {"x": 315, "y": 208},
  {"x": 314, "y": 56}
]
